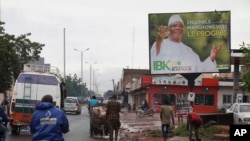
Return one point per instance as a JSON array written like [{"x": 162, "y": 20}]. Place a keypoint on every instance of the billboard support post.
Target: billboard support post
[
  {"x": 236, "y": 80},
  {"x": 191, "y": 77}
]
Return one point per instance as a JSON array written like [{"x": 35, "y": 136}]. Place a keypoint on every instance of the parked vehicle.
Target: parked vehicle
[
  {"x": 148, "y": 112},
  {"x": 72, "y": 104},
  {"x": 31, "y": 85},
  {"x": 241, "y": 113}
]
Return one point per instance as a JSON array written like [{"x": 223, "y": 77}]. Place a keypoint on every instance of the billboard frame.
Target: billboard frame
[{"x": 201, "y": 31}]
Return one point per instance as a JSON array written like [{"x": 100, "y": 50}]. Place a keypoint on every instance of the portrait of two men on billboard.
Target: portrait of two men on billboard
[{"x": 196, "y": 42}]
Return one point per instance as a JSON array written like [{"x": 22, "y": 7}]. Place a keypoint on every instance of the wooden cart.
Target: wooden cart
[{"x": 98, "y": 124}]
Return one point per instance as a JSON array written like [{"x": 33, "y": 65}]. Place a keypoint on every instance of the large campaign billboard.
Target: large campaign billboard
[{"x": 194, "y": 42}]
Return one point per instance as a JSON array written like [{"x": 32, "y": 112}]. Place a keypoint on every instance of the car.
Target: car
[
  {"x": 72, "y": 104},
  {"x": 241, "y": 113}
]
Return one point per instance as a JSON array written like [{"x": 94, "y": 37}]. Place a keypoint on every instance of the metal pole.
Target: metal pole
[
  {"x": 0, "y": 10},
  {"x": 64, "y": 55},
  {"x": 81, "y": 61},
  {"x": 90, "y": 77},
  {"x": 236, "y": 80},
  {"x": 94, "y": 80},
  {"x": 113, "y": 85},
  {"x": 81, "y": 67},
  {"x": 93, "y": 84},
  {"x": 90, "y": 73}
]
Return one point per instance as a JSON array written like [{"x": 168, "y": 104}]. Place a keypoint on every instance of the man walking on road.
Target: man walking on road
[
  {"x": 165, "y": 114},
  {"x": 113, "y": 117}
]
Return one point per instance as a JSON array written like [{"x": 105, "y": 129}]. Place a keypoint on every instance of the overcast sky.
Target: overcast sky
[{"x": 116, "y": 31}]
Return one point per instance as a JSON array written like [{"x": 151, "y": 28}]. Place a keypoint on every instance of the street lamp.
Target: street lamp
[
  {"x": 90, "y": 73},
  {"x": 81, "y": 61},
  {"x": 94, "y": 80},
  {"x": 96, "y": 85}
]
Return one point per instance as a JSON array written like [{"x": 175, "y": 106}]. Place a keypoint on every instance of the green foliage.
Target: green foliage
[
  {"x": 246, "y": 75},
  {"x": 246, "y": 81},
  {"x": 204, "y": 132},
  {"x": 246, "y": 52},
  {"x": 74, "y": 87},
  {"x": 181, "y": 130},
  {"x": 108, "y": 94},
  {"x": 158, "y": 132},
  {"x": 155, "y": 133},
  {"x": 15, "y": 52},
  {"x": 208, "y": 132}
]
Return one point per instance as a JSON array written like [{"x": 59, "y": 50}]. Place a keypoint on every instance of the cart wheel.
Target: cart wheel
[
  {"x": 151, "y": 112},
  {"x": 140, "y": 113},
  {"x": 91, "y": 131}
]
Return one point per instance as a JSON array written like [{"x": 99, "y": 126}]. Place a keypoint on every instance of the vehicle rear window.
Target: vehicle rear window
[
  {"x": 37, "y": 79},
  {"x": 245, "y": 108},
  {"x": 70, "y": 100}
]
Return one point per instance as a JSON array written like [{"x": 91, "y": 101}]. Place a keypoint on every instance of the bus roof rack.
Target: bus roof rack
[{"x": 41, "y": 68}]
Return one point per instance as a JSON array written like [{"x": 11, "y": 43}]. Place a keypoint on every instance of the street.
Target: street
[
  {"x": 79, "y": 129},
  {"x": 131, "y": 126}
]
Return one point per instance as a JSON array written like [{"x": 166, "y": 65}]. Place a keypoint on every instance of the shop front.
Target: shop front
[{"x": 205, "y": 100}]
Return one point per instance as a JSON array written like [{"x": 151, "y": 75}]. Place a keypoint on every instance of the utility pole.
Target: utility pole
[
  {"x": 90, "y": 73},
  {"x": 64, "y": 58},
  {"x": 113, "y": 85}
]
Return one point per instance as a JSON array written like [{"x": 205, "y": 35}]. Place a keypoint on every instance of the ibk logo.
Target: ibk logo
[
  {"x": 166, "y": 65},
  {"x": 161, "y": 65},
  {"x": 173, "y": 65},
  {"x": 239, "y": 132}
]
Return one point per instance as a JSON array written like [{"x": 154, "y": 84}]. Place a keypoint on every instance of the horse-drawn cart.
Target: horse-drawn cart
[{"x": 98, "y": 124}]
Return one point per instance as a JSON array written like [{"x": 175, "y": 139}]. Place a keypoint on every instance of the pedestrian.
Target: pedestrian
[
  {"x": 113, "y": 117},
  {"x": 179, "y": 57},
  {"x": 48, "y": 123},
  {"x": 144, "y": 105},
  {"x": 93, "y": 102},
  {"x": 4, "y": 119},
  {"x": 194, "y": 122},
  {"x": 166, "y": 114}
]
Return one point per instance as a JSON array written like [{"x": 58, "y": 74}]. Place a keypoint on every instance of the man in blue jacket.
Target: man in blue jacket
[
  {"x": 48, "y": 122},
  {"x": 3, "y": 118}
]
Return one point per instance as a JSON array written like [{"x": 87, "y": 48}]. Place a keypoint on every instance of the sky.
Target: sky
[{"x": 115, "y": 31}]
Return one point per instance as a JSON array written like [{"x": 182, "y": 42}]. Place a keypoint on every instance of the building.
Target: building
[
  {"x": 213, "y": 91},
  {"x": 129, "y": 76}
]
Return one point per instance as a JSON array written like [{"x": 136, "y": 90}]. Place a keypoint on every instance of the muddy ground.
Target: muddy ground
[{"x": 134, "y": 128}]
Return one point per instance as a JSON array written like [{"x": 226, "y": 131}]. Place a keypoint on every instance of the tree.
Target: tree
[
  {"x": 108, "y": 94},
  {"x": 246, "y": 75},
  {"x": 74, "y": 87},
  {"x": 15, "y": 52}
]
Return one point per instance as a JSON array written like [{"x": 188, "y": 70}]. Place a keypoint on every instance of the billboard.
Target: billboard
[{"x": 194, "y": 42}]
